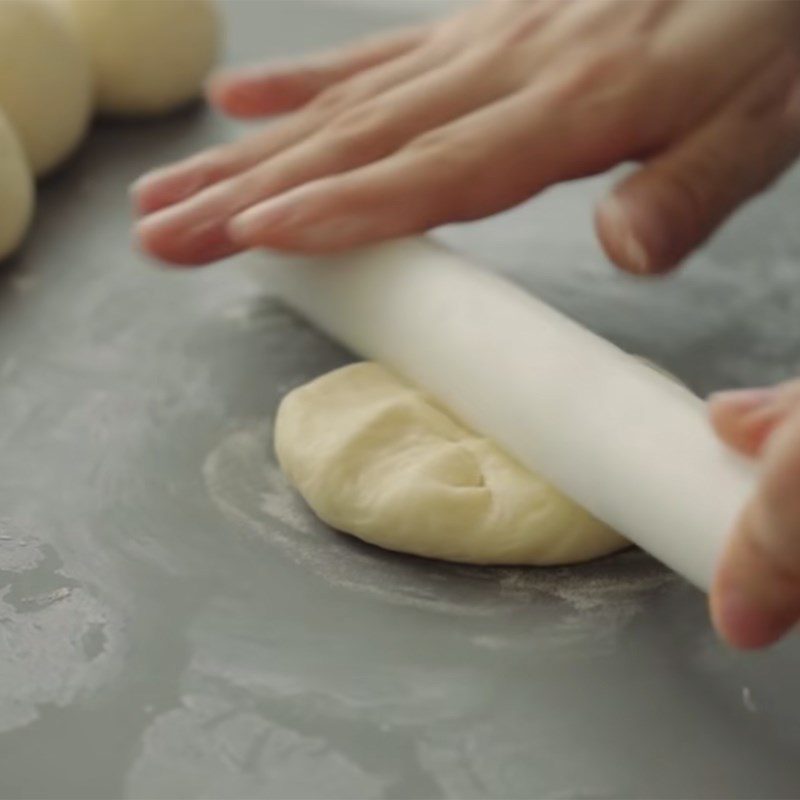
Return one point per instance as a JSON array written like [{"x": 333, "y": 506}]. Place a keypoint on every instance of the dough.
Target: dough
[
  {"x": 375, "y": 457},
  {"x": 147, "y": 56},
  {"x": 45, "y": 87},
  {"x": 16, "y": 189}
]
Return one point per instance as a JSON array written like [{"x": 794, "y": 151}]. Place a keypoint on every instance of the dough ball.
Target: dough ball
[
  {"x": 45, "y": 87},
  {"x": 16, "y": 189},
  {"x": 147, "y": 56},
  {"x": 375, "y": 457}
]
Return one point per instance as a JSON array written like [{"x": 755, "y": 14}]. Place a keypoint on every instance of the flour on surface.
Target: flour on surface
[
  {"x": 57, "y": 642},
  {"x": 246, "y": 485}
]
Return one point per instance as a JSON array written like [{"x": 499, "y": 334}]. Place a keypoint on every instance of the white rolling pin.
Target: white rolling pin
[{"x": 629, "y": 444}]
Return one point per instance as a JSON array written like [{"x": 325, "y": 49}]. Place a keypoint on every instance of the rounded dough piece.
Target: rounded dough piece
[
  {"x": 45, "y": 86},
  {"x": 147, "y": 56},
  {"x": 377, "y": 458},
  {"x": 16, "y": 189}
]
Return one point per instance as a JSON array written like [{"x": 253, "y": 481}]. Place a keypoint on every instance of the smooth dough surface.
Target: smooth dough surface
[
  {"x": 377, "y": 458},
  {"x": 147, "y": 56},
  {"x": 45, "y": 86},
  {"x": 16, "y": 189}
]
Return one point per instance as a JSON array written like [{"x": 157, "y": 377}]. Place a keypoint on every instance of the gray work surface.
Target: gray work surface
[{"x": 173, "y": 621}]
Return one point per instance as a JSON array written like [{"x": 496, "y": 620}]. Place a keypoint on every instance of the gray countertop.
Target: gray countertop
[{"x": 174, "y": 623}]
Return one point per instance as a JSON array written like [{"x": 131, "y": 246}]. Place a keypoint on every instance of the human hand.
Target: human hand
[
  {"x": 477, "y": 113},
  {"x": 755, "y": 598}
]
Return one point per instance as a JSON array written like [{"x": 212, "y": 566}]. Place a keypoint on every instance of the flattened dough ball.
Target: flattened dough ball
[
  {"x": 147, "y": 56},
  {"x": 375, "y": 457},
  {"x": 45, "y": 87},
  {"x": 16, "y": 189}
]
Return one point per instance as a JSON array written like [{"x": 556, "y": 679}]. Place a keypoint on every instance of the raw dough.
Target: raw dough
[
  {"x": 16, "y": 189},
  {"x": 45, "y": 87},
  {"x": 375, "y": 457},
  {"x": 147, "y": 56}
]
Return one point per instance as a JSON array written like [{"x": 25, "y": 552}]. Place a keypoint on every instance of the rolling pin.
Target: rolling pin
[{"x": 628, "y": 443}]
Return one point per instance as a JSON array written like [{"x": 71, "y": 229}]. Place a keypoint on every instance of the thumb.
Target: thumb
[
  {"x": 658, "y": 215},
  {"x": 746, "y": 418},
  {"x": 756, "y": 594}
]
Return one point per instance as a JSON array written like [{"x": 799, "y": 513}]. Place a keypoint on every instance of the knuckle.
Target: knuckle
[
  {"x": 765, "y": 97},
  {"x": 611, "y": 70},
  {"x": 777, "y": 497},
  {"x": 777, "y": 548},
  {"x": 213, "y": 164},
  {"x": 687, "y": 197},
  {"x": 780, "y": 483}
]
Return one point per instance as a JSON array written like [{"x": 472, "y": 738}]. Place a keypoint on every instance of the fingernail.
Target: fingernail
[
  {"x": 745, "y": 399},
  {"x": 146, "y": 177},
  {"x": 292, "y": 217},
  {"x": 272, "y": 214},
  {"x": 152, "y": 176},
  {"x": 743, "y": 622},
  {"x": 179, "y": 188},
  {"x": 631, "y": 249}
]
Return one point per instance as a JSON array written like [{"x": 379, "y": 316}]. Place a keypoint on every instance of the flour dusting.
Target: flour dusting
[
  {"x": 57, "y": 644},
  {"x": 747, "y": 700},
  {"x": 246, "y": 484}
]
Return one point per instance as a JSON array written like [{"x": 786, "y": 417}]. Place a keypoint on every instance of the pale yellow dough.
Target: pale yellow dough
[
  {"x": 45, "y": 86},
  {"x": 147, "y": 56},
  {"x": 377, "y": 458},
  {"x": 16, "y": 190}
]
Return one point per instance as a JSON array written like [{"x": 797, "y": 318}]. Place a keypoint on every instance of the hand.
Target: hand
[
  {"x": 756, "y": 594},
  {"x": 479, "y": 112}
]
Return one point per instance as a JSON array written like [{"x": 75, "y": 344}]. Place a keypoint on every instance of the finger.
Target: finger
[
  {"x": 745, "y": 419},
  {"x": 262, "y": 89},
  {"x": 174, "y": 183},
  {"x": 168, "y": 185},
  {"x": 756, "y": 594},
  {"x": 366, "y": 133},
  {"x": 661, "y": 213},
  {"x": 463, "y": 170}
]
